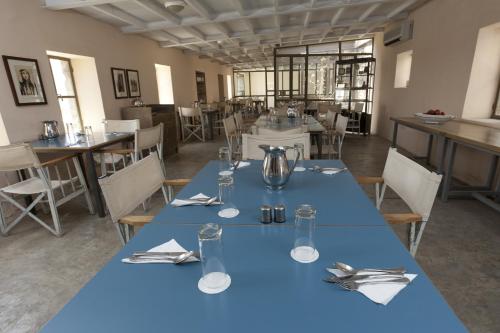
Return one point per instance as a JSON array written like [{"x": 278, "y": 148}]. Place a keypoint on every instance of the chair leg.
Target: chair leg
[
  {"x": 103, "y": 165},
  {"x": 413, "y": 249},
  {"x": 54, "y": 213},
  {"x": 3, "y": 224},
  {"x": 121, "y": 233}
]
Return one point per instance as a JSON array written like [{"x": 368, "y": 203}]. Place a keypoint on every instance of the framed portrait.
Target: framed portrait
[
  {"x": 134, "y": 87},
  {"x": 25, "y": 80},
  {"x": 119, "y": 76}
]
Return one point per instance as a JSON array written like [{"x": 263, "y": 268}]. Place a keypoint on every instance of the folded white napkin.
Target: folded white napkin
[
  {"x": 180, "y": 202},
  {"x": 242, "y": 164},
  {"x": 330, "y": 172},
  {"x": 381, "y": 293},
  {"x": 170, "y": 246}
]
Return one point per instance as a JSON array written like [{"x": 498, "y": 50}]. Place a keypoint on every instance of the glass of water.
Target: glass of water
[
  {"x": 226, "y": 189},
  {"x": 214, "y": 278},
  {"x": 225, "y": 161},
  {"x": 304, "y": 250}
]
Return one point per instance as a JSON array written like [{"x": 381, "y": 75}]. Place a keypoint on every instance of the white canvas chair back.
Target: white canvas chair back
[
  {"x": 238, "y": 118},
  {"x": 358, "y": 107},
  {"x": 121, "y": 125},
  {"x": 252, "y": 151},
  {"x": 341, "y": 125},
  {"x": 416, "y": 185},
  {"x": 330, "y": 119},
  {"x": 129, "y": 187},
  {"x": 18, "y": 156},
  {"x": 323, "y": 108},
  {"x": 270, "y": 132},
  {"x": 192, "y": 122},
  {"x": 189, "y": 112},
  {"x": 147, "y": 139}
]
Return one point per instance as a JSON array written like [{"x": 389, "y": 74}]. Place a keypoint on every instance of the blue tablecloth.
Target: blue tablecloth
[
  {"x": 339, "y": 200},
  {"x": 269, "y": 292}
]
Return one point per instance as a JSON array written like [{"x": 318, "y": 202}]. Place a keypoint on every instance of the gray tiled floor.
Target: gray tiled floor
[{"x": 460, "y": 249}]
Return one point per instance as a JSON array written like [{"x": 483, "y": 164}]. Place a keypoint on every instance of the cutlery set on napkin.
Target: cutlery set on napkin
[
  {"x": 168, "y": 253},
  {"x": 327, "y": 171},
  {"x": 379, "y": 285},
  {"x": 198, "y": 200}
]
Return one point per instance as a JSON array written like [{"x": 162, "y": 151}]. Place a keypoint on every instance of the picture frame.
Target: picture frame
[
  {"x": 120, "y": 86},
  {"x": 25, "y": 80},
  {"x": 134, "y": 86}
]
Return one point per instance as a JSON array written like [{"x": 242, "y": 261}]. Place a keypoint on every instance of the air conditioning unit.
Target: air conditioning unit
[{"x": 401, "y": 33}]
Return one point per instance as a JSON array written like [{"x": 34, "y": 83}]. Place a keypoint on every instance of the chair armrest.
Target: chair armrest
[
  {"x": 57, "y": 160},
  {"x": 120, "y": 151},
  {"x": 136, "y": 221},
  {"x": 403, "y": 218},
  {"x": 364, "y": 180},
  {"x": 176, "y": 182}
]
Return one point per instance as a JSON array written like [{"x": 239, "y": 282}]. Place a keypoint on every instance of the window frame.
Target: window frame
[{"x": 496, "y": 103}]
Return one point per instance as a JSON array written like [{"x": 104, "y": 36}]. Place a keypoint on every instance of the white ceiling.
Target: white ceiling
[{"x": 243, "y": 32}]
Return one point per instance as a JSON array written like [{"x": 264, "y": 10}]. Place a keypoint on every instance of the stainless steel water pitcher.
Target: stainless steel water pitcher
[{"x": 275, "y": 169}]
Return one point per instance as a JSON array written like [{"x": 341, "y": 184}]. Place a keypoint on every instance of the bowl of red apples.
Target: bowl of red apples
[{"x": 434, "y": 116}]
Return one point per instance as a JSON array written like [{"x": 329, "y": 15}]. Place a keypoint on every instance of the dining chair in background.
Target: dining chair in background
[
  {"x": 413, "y": 183},
  {"x": 193, "y": 122},
  {"x": 251, "y": 150},
  {"x": 54, "y": 182},
  {"x": 112, "y": 156},
  {"x": 337, "y": 135},
  {"x": 354, "y": 123},
  {"x": 233, "y": 136}
]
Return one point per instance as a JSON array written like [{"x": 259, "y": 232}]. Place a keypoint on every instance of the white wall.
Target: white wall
[
  {"x": 444, "y": 43},
  {"x": 27, "y": 30}
]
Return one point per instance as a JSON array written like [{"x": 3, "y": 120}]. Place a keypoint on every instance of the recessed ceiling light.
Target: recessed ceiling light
[{"x": 175, "y": 5}]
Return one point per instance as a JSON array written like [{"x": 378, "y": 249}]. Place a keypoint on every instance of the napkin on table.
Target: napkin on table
[
  {"x": 180, "y": 202},
  {"x": 381, "y": 293},
  {"x": 242, "y": 164},
  {"x": 170, "y": 246}
]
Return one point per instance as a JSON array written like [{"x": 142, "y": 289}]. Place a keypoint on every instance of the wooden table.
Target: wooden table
[
  {"x": 314, "y": 127},
  {"x": 449, "y": 136},
  {"x": 84, "y": 147},
  {"x": 269, "y": 291}
]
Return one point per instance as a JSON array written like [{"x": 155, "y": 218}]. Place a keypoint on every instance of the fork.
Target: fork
[{"x": 353, "y": 285}]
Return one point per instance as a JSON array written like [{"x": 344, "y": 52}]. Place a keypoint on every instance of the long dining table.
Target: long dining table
[{"x": 269, "y": 291}]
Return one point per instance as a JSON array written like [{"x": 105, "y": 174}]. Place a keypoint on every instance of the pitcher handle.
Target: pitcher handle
[{"x": 297, "y": 150}]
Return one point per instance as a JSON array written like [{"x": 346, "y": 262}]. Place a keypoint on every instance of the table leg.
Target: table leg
[
  {"x": 211, "y": 125},
  {"x": 395, "y": 135},
  {"x": 493, "y": 170},
  {"x": 93, "y": 183},
  {"x": 319, "y": 144},
  {"x": 443, "y": 143},
  {"x": 450, "y": 157},
  {"x": 429, "y": 148}
]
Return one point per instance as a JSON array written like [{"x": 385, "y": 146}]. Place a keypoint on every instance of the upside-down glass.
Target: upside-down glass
[
  {"x": 304, "y": 250},
  {"x": 225, "y": 161},
  {"x": 299, "y": 149},
  {"x": 214, "y": 277},
  {"x": 226, "y": 188}
]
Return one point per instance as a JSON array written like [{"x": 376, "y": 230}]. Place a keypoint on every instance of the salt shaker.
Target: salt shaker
[
  {"x": 279, "y": 214},
  {"x": 266, "y": 214}
]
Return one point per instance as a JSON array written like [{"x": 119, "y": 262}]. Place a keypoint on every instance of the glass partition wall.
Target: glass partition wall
[
  {"x": 307, "y": 73},
  {"x": 256, "y": 83}
]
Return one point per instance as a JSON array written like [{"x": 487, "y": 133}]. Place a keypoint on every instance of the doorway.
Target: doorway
[
  {"x": 201, "y": 88},
  {"x": 221, "y": 87}
]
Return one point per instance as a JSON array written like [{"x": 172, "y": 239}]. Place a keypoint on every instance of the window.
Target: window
[
  {"x": 164, "y": 81},
  {"x": 403, "y": 69},
  {"x": 229, "y": 87},
  {"x": 66, "y": 91}
]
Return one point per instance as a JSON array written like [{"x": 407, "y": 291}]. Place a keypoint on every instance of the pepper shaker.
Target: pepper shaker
[
  {"x": 266, "y": 214},
  {"x": 279, "y": 214}
]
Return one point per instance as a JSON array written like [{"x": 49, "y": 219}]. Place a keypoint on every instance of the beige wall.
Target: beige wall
[
  {"x": 27, "y": 30},
  {"x": 443, "y": 44}
]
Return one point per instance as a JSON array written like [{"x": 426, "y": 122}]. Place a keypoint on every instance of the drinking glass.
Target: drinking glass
[
  {"x": 305, "y": 220},
  {"x": 225, "y": 161},
  {"x": 226, "y": 189},
  {"x": 299, "y": 149},
  {"x": 214, "y": 278}
]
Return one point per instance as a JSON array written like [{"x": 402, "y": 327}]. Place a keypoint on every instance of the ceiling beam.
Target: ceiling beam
[
  {"x": 200, "y": 8},
  {"x": 119, "y": 14},
  {"x": 195, "y": 33},
  {"x": 69, "y": 4},
  {"x": 155, "y": 8},
  {"x": 368, "y": 11},
  {"x": 400, "y": 8},
  {"x": 238, "y": 6}
]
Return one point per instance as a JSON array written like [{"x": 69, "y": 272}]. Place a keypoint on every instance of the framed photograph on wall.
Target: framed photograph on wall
[
  {"x": 119, "y": 76},
  {"x": 25, "y": 80},
  {"x": 134, "y": 87}
]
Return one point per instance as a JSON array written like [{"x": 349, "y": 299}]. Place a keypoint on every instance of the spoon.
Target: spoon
[
  {"x": 349, "y": 270},
  {"x": 183, "y": 257}
]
